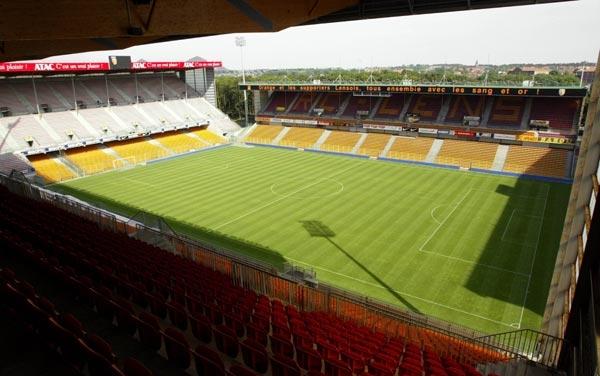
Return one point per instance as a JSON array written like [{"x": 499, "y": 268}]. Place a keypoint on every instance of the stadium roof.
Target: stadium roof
[{"x": 33, "y": 29}]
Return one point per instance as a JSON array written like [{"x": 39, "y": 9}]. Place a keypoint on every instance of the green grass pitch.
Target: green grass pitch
[{"x": 475, "y": 249}]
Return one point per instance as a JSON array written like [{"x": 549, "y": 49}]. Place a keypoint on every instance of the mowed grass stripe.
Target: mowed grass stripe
[{"x": 380, "y": 219}]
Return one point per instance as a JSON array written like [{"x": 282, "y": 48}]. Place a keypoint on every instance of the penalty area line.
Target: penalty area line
[{"x": 402, "y": 293}]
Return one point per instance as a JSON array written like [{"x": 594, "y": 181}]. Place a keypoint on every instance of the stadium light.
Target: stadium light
[{"x": 241, "y": 43}]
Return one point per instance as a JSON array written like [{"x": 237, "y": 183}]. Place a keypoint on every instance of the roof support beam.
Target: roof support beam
[{"x": 252, "y": 14}]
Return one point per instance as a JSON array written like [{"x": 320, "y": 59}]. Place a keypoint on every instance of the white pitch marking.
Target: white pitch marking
[
  {"x": 537, "y": 243},
  {"x": 433, "y": 210},
  {"x": 280, "y": 199},
  {"x": 476, "y": 263},
  {"x": 444, "y": 221},
  {"x": 401, "y": 293},
  {"x": 508, "y": 224}
]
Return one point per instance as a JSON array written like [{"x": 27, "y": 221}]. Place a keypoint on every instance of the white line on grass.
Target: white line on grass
[
  {"x": 476, "y": 263},
  {"x": 444, "y": 221},
  {"x": 433, "y": 210},
  {"x": 401, "y": 293},
  {"x": 508, "y": 224},
  {"x": 281, "y": 198},
  {"x": 537, "y": 243}
]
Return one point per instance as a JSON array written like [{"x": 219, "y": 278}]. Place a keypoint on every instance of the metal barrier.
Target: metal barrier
[{"x": 459, "y": 342}]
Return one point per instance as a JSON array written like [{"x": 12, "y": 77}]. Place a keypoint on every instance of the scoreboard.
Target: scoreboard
[{"x": 366, "y": 89}]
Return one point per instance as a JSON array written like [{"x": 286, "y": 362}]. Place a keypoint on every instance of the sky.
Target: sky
[{"x": 558, "y": 32}]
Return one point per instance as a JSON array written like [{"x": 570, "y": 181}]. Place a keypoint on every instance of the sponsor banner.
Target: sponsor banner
[
  {"x": 322, "y": 122},
  {"x": 276, "y": 120},
  {"x": 101, "y": 67},
  {"x": 464, "y": 133},
  {"x": 484, "y": 134},
  {"x": 502, "y": 136},
  {"x": 428, "y": 130},
  {"x": 443, "y": 131},
  {"x": 383, "y": 127},
  {"x": 299, "y": 121}
]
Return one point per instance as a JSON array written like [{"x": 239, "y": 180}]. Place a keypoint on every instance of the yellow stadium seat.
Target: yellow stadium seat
[
  {"x": 536, "y": 161},
  {"x": 467, "y": 154},
  {"x": 178, "y": 141},
  {"x": 50, "y": 169},
  {"x": 374, "y": 144},
  {"x": 91, "y": 159},
  {"x": 301, "y": 137},
  {"x": 410, "y": 148},
  {"x": 264, "y": 134},
  {"x": 137, "y": 150},
  {"x": 340, "y": 141}
]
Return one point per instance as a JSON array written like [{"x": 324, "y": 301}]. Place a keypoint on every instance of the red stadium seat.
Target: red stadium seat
[
  {"x": 177, "y": 348},
  {"x": 134, "y": 367}
]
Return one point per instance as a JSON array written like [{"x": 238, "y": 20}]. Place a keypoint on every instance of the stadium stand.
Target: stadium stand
[
  {"x": 264, "y": 134},
  {"x": 208, "y": 136},
  {"x": 341, "y": 141},
  {"x": 537, "y": 161},
  {"x": 331, "y": 102},
  {"x": 10, "y": 162},
  {"x": 409, "y": 148},
  {"x": 467, "y": 154},
  {"x": 390, "y": 107},
  {"x": 91, "y": 159},
  {"x": 374, "y": 144},
  {"x": 130, "y": 117},
  {"x": 65, "y": 124},
  {"x": 178, "y": 141},
  {"x": 426, "y": 106},
  {"x": 465, "y": 105},
  {"x": 304, "y": 103},
  {"x": 301, "y": 137},
  {"x": 279, "y": 102},
  {"x": 507, "y": 112},
  {"x": 561, "y": 113},
  {"x": 153, "y": 295},
  {"x": 24, "y": 128},
  {"x": 51, "y": 170},
  {"x": 359, "y": 104},
  {"x": 157, "y": 112},
  {"x": 137, "y": 150},
  {"x": 100, "y": 119}
]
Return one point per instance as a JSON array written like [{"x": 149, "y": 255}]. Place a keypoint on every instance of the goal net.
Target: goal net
[{"x": 121, "y": 163}]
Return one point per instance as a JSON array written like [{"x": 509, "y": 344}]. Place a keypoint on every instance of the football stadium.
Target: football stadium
[{"x": 353, "y": 228}]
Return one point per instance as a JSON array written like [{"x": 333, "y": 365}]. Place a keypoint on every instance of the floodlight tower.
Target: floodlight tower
[{"x": 241, "y": 42}]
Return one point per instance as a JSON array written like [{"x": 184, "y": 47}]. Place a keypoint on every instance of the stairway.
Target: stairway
[
  {"x": 62, "y": 158},
  {"x": 158, "y": 144},
  {"x": 57, "y": 138},
  {"x": 388, "y": 146},
  {"x": 85, "y": 124},
  {"x": 118, "y": 120},
  {"x": 500, "y": 158},
  {"x": 405, "y": 107},
  {"x": 292, "y": 103},
  {"x": 280, "y": 136},
  {"x": 526, "y": 114},
  {"x": 343, "y": 106},
  {"x": 487, "y": 111},
  {"x": 68, "y": 105},
  {"x": 321, "y": 139},
  {"x": 444, "y": 110},
  {"x": 375, "y": 108},
  {"x": 434, "y": 151},
  {"x": 359, "y": 143}
]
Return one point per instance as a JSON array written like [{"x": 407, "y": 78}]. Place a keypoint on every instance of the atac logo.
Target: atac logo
[
  {"x": 139, "y": 65},
  {"x": 44, "y": 67},
  {"x": 562, "y": 92}
]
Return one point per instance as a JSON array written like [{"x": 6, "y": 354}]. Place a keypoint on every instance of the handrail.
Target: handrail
[{"x": 466, "y": 344}]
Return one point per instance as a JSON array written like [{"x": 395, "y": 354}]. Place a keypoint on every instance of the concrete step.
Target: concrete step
[
  {"x": 359, "y": 143},
  {"x": 388, "y": 146},
  {"x": 322, "y": 139},
  {"x": 434, "y": 151},
  {"x": 500, "y": 158},
  {"x": 281, "y": 135}
]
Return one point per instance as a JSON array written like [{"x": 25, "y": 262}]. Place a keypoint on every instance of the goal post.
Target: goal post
[{"x": 127, "y": 162}]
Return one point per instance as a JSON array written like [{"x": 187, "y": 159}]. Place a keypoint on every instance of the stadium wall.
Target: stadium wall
[{"x": 574, "y": 291}]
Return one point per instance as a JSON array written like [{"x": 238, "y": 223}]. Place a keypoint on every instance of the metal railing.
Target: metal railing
[{"x": 459, "y": 342}]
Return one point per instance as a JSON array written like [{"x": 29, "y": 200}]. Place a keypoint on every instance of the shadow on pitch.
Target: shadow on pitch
[
  {"x": 318, "y": 229},
  {"x": 238, "y": 246}
]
